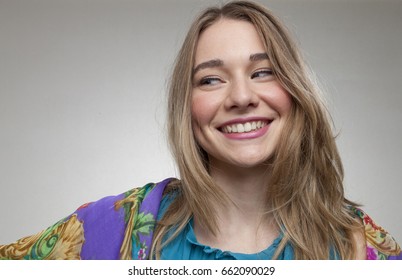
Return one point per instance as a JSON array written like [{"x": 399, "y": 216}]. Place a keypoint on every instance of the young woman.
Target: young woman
[{"x": 261, "y": 176}]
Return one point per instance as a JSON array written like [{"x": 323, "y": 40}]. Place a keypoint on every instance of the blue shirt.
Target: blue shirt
[{"x": 186, "y": 247}]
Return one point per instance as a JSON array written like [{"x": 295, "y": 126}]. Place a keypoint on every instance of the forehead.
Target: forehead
[{"x": 226, "y": 38}]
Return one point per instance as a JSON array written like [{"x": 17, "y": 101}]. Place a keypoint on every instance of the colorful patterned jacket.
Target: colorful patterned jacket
[{"x": 121, "y": 227}]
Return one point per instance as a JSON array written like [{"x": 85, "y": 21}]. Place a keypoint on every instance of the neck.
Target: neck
[
  {"x": 244, "y": 218},
  {"x": 246, "y": 187}
]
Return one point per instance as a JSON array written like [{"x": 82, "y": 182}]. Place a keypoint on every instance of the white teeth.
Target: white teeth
[
  {"x": 247, "y": 127},
  {"x": 244, "y": 127}
]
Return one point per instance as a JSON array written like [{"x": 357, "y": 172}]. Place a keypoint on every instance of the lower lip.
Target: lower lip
[{"x": 248, "y": 135}]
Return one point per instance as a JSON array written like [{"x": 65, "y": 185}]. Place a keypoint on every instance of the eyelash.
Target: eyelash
[
  {"x": 266, "y": 72},
  {"x": 208, "y": 81}
]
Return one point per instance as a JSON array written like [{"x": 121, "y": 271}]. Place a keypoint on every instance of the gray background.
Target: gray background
[{"x": 82, "y": 99}]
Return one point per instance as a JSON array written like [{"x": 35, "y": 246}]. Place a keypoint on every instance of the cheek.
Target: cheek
[
  {"x": 200, "y": 117},
  {"x": 279, "y": 99},
  {"x": 285, "y": 103},
  {"x": 203, "y": 109}
]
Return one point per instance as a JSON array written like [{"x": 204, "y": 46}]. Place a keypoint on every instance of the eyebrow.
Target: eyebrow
[
  {"x": 259, "y": 56},
  {"x": 218, "y": 63},
  {"x": 208, "y": 64}
]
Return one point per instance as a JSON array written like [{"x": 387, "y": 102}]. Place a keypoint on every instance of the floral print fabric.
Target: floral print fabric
[
  {"x": 115, "y": 227},
  {"x": 121, "y": 227},
  {"x": 380, "y": 244},
  {"x": 61, "y": 241}
]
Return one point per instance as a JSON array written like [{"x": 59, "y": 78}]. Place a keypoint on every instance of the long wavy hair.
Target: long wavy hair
[{"x": 305, "y": 191}]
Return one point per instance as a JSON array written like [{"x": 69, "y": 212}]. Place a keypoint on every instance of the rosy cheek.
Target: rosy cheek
[
  {"x": 200, "y": 116},
  {"x": 279, "y": 99},
  {"x": 285, "y": 102},
  {"x": 201, "y": 109}
]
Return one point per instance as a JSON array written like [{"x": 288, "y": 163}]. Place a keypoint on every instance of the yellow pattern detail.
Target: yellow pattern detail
[{"x": 68, "y": 246}]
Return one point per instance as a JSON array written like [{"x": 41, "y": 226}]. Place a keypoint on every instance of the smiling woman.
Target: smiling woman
[
  {"x": 260, "y": 173},
  {"x": 232, "y": 99}
]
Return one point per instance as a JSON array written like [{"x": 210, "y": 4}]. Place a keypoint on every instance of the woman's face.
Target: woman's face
[{"x": 238, "y": 107}]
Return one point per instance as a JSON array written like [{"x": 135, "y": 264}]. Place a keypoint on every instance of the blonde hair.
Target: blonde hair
[{"x": 305, "y": 192}]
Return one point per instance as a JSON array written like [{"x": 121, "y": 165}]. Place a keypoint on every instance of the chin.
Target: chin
[{"x": 252, "y": 163}]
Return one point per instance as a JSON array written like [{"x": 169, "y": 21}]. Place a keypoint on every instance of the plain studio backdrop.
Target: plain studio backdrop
[{"x": 83, "y": 94}]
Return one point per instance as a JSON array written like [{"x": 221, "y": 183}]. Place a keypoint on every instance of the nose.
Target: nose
[{"x": 240, "y": 96}]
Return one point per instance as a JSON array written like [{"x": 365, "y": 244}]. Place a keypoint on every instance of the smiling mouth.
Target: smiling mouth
[{"x": 244, "y": 127}]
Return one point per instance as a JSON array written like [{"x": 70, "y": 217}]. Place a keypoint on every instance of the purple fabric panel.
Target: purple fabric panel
[
  {"x": 399, "y": 257},
  {"x": 151, "y": 205},
  {"x": 103, "y": 229}
]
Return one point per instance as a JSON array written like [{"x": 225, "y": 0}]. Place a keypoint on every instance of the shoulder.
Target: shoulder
[
  {"x": 116, "y": 226},
  {"x": 379, "y": 244},
  {"x": 96, "y": 230},
  {"x": 133, "y": 199}
]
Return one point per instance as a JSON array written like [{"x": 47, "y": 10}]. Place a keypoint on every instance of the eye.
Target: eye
[
  {"x": 210, "y": 81},
  {"x": 262, "y": 73}
]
